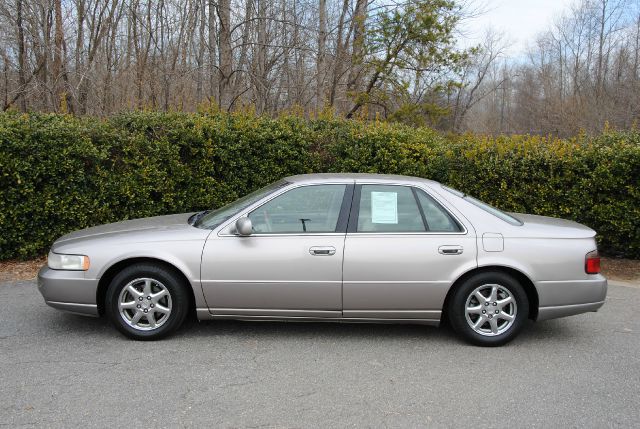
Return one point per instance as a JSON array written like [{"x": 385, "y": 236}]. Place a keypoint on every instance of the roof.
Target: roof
[{"x": 357, "y": 177}]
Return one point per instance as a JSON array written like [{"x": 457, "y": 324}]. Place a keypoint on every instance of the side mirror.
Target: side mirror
[{"x": 243, "y": 226}]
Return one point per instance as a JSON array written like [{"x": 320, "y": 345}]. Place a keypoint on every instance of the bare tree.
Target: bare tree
[
  {"x": 474, "y": 85},
  {"x": 226, "y": 54},
  {"x": 22, "y": 82},
  {"x": 580, "y": 75},
  {"x": 396, "y": 58},
  {"x": 211, "y": 28},
  {"x": 321, "y": 66}
]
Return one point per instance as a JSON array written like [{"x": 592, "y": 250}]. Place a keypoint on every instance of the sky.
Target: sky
[{"x": 520, "y": 20}]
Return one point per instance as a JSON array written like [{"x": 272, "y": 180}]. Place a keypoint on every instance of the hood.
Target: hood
[
  {"x": 129, "y": 226},
  {"x": 551, "y": 227}
]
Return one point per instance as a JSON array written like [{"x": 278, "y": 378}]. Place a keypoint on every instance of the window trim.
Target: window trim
[
  {"x": 341, "y": 225},
  {"x": 486, "y": 207},
  {"x": 420, "y": 209},
  {"x": 352, "y": 227},
  {"x": 437, "y": 203}
]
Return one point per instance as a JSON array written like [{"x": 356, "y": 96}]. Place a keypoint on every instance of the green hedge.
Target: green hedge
[{"x": 60, "y": 173}]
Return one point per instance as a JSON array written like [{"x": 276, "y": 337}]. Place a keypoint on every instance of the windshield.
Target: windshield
[
  {"x": 484, "y": 206},
  {"x": 216, "y": 217}
]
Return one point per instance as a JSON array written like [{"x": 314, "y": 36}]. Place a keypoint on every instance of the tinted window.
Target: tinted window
[
  {"x": 388, "y": 208},
  {"x": 438, "y": 219},
  {"x": 305, "y": 209}
]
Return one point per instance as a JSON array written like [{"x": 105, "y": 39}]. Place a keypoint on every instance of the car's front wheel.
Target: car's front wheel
[
  {"x": 146, "y": 302},
  {"x": 489, "y": 309}
]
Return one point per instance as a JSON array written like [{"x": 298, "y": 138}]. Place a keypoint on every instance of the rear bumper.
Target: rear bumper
[
  {"x": 68, "y": 291},
  {"x": 546, "y": 313},
  {"x": 567, "y": 298}
]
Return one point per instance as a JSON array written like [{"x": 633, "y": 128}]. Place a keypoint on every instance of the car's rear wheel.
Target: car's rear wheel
[
  {"x": 488, "y": 309},
  {"x": 147, "y": 302}
]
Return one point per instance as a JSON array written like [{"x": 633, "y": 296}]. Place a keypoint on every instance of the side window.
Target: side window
[
  {"x": 388, "y": 208},
  {"x": 310, "y": 209},
  {"x": 437, "y": 218}
]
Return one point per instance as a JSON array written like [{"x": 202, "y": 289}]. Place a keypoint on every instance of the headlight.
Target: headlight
[{"x": 56, "y": 261}]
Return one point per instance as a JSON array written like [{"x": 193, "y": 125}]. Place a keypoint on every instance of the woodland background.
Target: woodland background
[{"x": 391, "y": 59}]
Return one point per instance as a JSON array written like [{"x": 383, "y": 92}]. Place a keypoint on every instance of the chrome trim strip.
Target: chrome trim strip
[
  {"x": 357, "y": 282},
  {"x": 431, "y": 322},
  {"x": 277, "y": 281},
  {"x": 276, "y": 312},
  {"x": 282, "y": 234},
  {"x": 393, "y": 314},
  {"x": 378, "y": 234},
  {"x": 431, "y": 317}
]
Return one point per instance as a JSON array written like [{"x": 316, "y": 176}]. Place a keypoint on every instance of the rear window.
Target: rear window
[{"x": 484, "y": 206}]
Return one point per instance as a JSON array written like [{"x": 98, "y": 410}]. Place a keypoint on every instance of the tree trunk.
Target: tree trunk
[
  {"x": 601, "y": 42},
  {"x": 202, "y": 28},
  {"x": 243, "y": 61},
  {"x": 80, "y": 35},
  {"x": 261, "y": 63},
  {"x": 22, "y": 101},
  {"x": 212, "y": 48},
  {"x": 357, "y": 54},
  {"x": 5, "y": 75},
  {"x": 321, "y": 58},
  {"x": 61, "y": 93},
  {"x": 226, "y": 54},
  {"x": 339, "y": 58}
]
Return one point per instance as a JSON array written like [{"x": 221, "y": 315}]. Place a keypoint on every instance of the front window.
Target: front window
[
  {"x": 307, "y": 209},
  {"x": 216, "y": 217}
]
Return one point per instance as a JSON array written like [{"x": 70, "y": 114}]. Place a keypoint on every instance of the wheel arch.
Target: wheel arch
[
  {"x": 113, "y": 270},
  {"x": 523, "y": 279}
]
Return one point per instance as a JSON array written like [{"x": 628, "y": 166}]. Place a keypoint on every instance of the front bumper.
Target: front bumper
[
  {"x": 68, "y": 291},
  {"x": 566, "y": 298}
]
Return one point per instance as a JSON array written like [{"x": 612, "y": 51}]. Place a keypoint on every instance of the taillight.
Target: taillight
[{"x": 592, "y": 263}]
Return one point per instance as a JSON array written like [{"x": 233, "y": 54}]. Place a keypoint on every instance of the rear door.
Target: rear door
[{"x": 402, "y": 252}]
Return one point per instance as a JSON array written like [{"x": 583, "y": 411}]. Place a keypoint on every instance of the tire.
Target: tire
[
  {"x": 138, "y": 298},
  {"x": 493, "y": 320}
]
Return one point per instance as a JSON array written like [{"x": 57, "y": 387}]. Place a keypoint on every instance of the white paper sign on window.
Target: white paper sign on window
[{"x": 384, "y": 207}]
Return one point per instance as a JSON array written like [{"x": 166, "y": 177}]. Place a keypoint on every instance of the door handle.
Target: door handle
[
  {"x": 450, "y": 250},
  {"x": 322, "y": 250}
]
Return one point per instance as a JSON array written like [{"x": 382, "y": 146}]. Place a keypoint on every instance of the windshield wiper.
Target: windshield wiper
[{"x": 196, "y": 217}]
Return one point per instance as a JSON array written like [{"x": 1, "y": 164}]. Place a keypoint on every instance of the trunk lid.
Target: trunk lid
[{"x": 551, "y": 227}]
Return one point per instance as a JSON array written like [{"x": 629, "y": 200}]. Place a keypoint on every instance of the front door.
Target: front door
[
  {"x": 290, "y": 266},
  {"x": 402, "y": 252}
]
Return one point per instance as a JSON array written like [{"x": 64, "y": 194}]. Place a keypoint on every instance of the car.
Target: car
[{"x": 332, "y": 247}]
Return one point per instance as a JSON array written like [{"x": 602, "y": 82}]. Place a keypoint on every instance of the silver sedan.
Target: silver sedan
[{"x": 332, "y": 247}]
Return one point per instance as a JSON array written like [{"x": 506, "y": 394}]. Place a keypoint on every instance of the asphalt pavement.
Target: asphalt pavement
[{"x": 61, "y": 370}]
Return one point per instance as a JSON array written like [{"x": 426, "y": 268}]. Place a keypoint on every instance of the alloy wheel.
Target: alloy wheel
[
  {"x": 490, "y": 310},
  {"x": 144, "y": 304}
]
